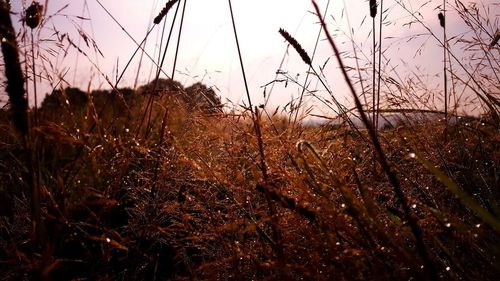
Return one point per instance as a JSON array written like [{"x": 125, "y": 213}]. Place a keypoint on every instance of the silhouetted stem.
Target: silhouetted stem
[{"x": 417, "y": 233}]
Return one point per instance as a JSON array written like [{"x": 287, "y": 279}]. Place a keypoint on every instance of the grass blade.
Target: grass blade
[{"x": 466, "y": 199}]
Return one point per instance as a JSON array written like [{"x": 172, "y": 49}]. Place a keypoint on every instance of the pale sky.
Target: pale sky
[{"x": 208, "y": 50}]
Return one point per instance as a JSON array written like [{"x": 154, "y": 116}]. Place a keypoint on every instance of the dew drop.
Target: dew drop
[
  {"x": 448, "y": 268},
  {"x": 412, "y": 155},
  {"x": 478, "y": 225},
  {"x": 448, "y": 225},
  {"x": 108, "y": 240},
  {"x": 414, "y": 206}
]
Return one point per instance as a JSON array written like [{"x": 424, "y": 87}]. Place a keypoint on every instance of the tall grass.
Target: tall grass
[{"x": 159, "y": 183}]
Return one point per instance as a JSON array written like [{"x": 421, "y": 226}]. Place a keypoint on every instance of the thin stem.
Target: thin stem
[
  {"x": 179, "y": 39},
  {"x": 309, "y": 71},
  {"x": 417, "y": 232},
  {"x": 144, "y": 42},
  {"x": 354, "y": 50},
  {"x": 33, "y": 67},
  {"x": 165, "y": 115},
  {"x": 374, "y": 64},
  {"x": 241, "y": 59},
  {"x": 445, "y": 76},
  {"x": 150, "y": 101},
  {"x": 128, "y": 34},
  {"x": 379, "y": 59}
]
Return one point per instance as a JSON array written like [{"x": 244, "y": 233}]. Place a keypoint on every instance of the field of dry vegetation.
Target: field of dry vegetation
[{"x": 163, "y": 182}]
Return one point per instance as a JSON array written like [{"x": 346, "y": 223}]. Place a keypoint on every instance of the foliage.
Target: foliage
[{"x": 162, "y": 183}]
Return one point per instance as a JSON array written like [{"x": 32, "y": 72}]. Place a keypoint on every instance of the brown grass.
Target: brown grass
[{"x": 224, "y": 196}]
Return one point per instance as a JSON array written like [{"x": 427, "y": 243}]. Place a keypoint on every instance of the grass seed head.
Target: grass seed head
[
  {"x": 495, "y": 40},
  {"x": 164, "y": 11},
  {"x": 373, "y": 8},
  {"x": 303, "y": 54},
  {"x": 34, "y": 14},
  {"x": 441, "y": 19}
]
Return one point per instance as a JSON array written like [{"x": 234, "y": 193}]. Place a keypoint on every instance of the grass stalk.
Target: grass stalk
[
  {"x": 442, "y": 23},
  {"x": 178, "y": 39},
  {"x": 373, "y": 14},
  {"x": 278, "y": 247},
  {"x": 33, "y": 66},
  {"x": 139, "y": 45},
  {"x": 19, "y": 109},
  {"x": 309, "y": 70},
  {"x": 165, "y": 115},
  {"x": 381, "y": 21},
  {"x": 240, "y": 58},
  {"x": 307, "y": 60},
  {"x": 149, "y": 105},
  {"x": 430, "y": 269},
  {"x": 482, "y": 94}
]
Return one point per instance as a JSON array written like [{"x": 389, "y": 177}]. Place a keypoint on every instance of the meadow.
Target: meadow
[{"x": 165, "y": 182}]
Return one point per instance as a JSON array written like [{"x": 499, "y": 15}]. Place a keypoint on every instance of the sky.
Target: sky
[{"x": 208, "y": 52}]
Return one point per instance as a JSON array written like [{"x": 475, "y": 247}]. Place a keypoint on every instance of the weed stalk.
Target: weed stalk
[{"x": 417, "y": 232}]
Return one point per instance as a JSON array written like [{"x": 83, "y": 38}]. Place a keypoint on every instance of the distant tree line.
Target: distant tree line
[{"x": 195, "y": 97}]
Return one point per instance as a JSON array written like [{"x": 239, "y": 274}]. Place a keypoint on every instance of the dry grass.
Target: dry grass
[{"x": 199, "y": 193}]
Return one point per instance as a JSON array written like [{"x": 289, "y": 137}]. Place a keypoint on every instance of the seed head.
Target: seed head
[
  {"x": 373, "y": 8},
  {"x": 33, "y": 14},
  {"x": 164, "y": 11},
  {"x": 495, "y": 40},
  {"x": 441, "y": 19},
  {"x": 303, "y": 54}
]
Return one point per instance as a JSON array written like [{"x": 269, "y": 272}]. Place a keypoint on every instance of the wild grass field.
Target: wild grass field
[{"x": 164, "y": 182}]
